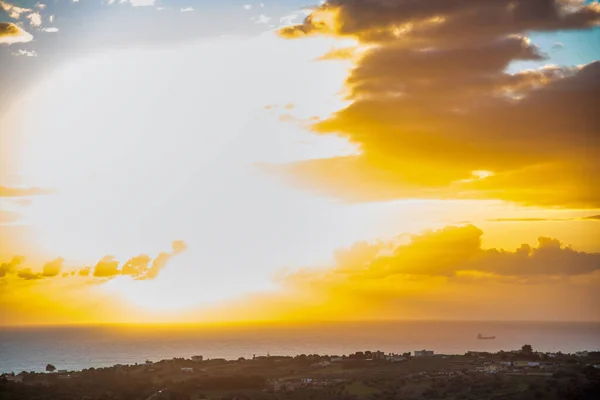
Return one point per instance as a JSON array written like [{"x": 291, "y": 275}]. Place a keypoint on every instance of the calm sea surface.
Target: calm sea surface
[{"x": 75, "y": 348}]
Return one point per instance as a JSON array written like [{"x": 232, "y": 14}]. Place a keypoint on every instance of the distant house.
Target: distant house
[
  {"x": 582, "y": 353},
  {"x": 395, "y": 358},
  {"x": 378, "y": 355},
  {"x": 336, "y": 359},
  {"x": 494, "y": 367},
  {"x": 148, "y": 362},
  {"x": 526, "y": 364},
  {"x": 197, "y": 358},
  {"x": 423, "y": 353},
  {"x": 187, "y": 369}
]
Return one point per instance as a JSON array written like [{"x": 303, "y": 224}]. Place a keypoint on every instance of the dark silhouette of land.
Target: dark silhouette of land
[{"x": 518, "y": 375}]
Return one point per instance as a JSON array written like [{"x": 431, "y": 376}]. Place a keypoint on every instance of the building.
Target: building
[
  {"x": 395, "y": 357},
  {"x": 336, "y": 359},
  {"x": 187, "y": 369},
  {"x": 582, "y": 354},
  {"x": 197, "y": 358},
  {"x": 493, "y": 368},
  {"x": 378, "y": 355},
  {"x": 423, "y": 353},
  {"x": 526, "y": 364}
]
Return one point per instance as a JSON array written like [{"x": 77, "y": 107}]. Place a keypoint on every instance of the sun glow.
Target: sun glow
[{"x": 130, "y": 179}]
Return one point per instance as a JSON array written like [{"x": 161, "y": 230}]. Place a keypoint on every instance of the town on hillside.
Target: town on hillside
[{"x": 420, "y": 374}]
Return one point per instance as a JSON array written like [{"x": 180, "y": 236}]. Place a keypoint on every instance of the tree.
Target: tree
[
  {"x": 50, "y": 368},
  {"x": 526, "y": 349}
]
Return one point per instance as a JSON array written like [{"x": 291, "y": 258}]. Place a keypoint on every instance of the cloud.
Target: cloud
[
  {"x": 431, "y": 102},
  {"x": 107, "y": 267},
  {"x": 13, "y": 11},
  {"x": 439, "y": 274},
  {"x": 261, "y": 19},
  {"x": 8, "y": 217},
  {"x": 593, "y": 217},
  {"x": 528, "y": 219},
  {"x": 25, "y": 53},
  {"x": 11, "y": 33},
  {"x": 140, "y": 267},
  {"x": 53, "y": 268},
  {"x": 28, "y": 274},
  {"x": 22, "y": 192},
  {"x": 142, "y": 3},
  {"x": 452, "y": 254},
  {"x": 35, "y": 19},
  {"x": 11, "y": 266},
  {"x": 162, "y": 259},
  {"x": 136, "y": 266}
]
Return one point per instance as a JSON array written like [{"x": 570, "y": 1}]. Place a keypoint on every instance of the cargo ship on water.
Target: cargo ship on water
[{"x": 480, "y": 336}]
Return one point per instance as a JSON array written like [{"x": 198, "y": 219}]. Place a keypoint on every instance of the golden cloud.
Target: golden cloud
[
  {"x": 11, "y": 33},
  {"x": 107, "y": 267},
  {"x": 444, "y": 273},
  {"x": 22, "y": 192},
  {"x": 432, "y": 104}
]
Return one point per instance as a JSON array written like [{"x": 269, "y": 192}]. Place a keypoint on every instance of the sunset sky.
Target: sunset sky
[{"x": 232, "y": 161}]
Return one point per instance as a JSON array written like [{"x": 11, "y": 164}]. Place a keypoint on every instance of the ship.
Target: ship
[{"x": 480, "y": 336}]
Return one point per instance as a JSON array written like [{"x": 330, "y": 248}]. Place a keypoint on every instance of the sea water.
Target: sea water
[{"x": 77, "y": 347}]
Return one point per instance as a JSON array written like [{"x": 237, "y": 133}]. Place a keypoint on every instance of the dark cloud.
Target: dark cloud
[
  {"x": 593, "y": 217},
  {"x": 432, "y": 104},
  {"x": 428, "y": 22}
]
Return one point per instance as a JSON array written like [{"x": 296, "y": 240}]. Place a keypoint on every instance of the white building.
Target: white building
[{"x": 423, "y": 353}]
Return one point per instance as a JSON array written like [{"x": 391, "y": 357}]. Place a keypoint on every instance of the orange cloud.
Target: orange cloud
[
  {"x": 432, "y": 104},
  {"x": 107, "y": 267},
  {"x": 22, "y": 192},
  {"x": 53, "y": 268},
  {"x": 11, "y": 33},
  {"x": 445, "y": 273}
]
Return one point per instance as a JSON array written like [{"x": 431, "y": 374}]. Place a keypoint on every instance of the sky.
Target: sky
[{"x": 185, "y": 161}]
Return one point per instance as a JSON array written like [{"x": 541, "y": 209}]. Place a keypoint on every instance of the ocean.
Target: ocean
[{"x": 75, "y": 348}]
